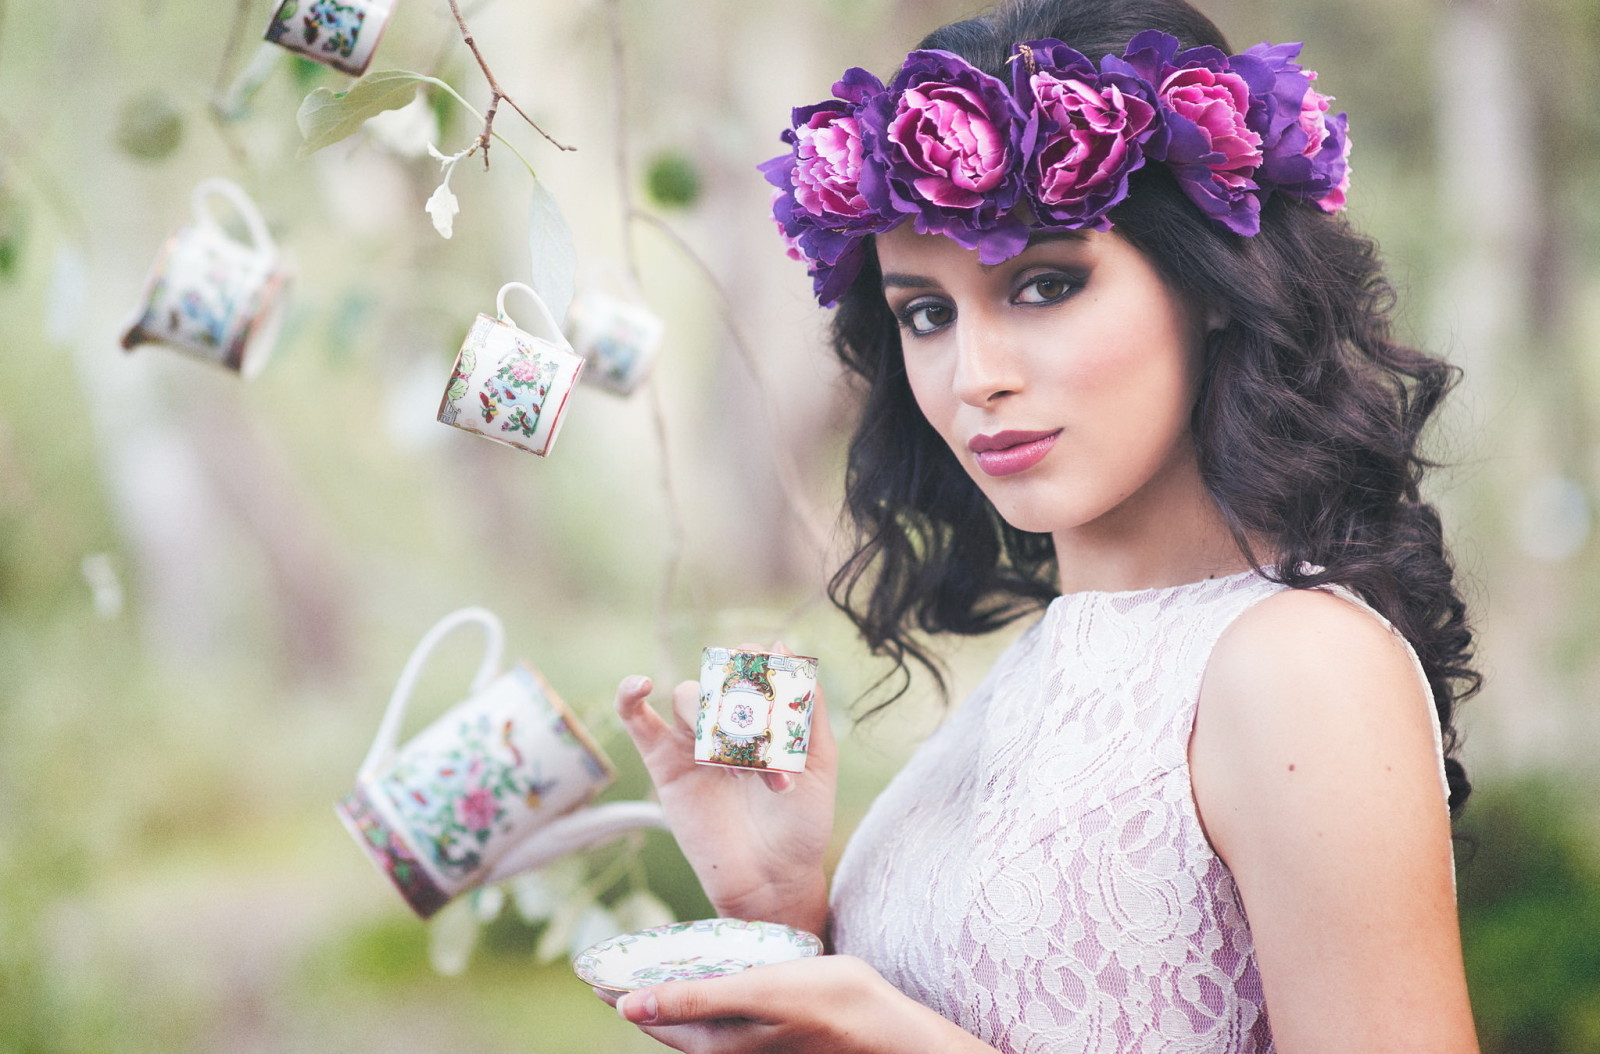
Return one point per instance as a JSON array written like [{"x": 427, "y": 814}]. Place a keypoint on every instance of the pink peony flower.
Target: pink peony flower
[
  {"x": 1084, "y": 166},
  {"x": 944, "y": 131},
  {"x": 1217, "y": 104},
  {"x": 478, "y": 809},
  {"x": 828, "y": 165},
  {"x": 1314, "y": 122}
]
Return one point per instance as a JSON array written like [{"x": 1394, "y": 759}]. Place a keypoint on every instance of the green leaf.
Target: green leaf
[
  {"x": 326, "y": 117},
  {"x": 555, "y": 256}
]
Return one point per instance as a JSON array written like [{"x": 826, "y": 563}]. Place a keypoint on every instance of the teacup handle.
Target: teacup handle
[
  {"x": 383, "y": 744},
  {"x": 552, "y": 331},
  {"x": 219, "y": 187},
  {"x": 575, "y": 831}
]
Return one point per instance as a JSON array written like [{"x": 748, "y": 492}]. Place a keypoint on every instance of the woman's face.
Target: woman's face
[{"x": 1062, "y": 378}]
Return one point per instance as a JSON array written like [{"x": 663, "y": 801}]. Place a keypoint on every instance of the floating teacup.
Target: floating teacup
[
  {"x": 509, "y": 385},
  {"x": 616, "y": 336},
  {"x": 755, "y": 709},
  {"x": 343, "y": 35},
  {"x": 211, "y": 295},
  {"x": 490, "y": 789}
]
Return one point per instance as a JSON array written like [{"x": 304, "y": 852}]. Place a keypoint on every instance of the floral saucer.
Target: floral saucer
[{"x": 686, "y": 951}]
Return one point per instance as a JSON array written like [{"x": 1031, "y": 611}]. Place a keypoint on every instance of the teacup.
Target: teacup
[
  {"x": 488, "y": 790},
  {"x": 211, "y": 295},
  {"x": 339, "y": 33},
  {"x": 617, "y": 337},
  {"x": 755, "y": 709},
  {"x": 509, "y": 385}
]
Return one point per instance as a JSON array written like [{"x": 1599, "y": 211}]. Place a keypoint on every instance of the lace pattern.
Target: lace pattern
[{"x": 1037, "y": 872}]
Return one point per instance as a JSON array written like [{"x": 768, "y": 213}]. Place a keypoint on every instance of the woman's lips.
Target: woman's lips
[{"x": 1008, "y": 453}]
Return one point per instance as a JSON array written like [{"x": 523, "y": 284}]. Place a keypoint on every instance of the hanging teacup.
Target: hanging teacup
[
  {"x": 618, "y": 338},
  {"x": 210, "y": 294},
  {"x": 509, "y": 385},
  {"x": 342, "y": 35}
]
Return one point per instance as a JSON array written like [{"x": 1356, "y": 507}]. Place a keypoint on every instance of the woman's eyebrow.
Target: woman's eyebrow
[
  {"x": 906, "y": 281},
  {"x": 911, "y": 281}
]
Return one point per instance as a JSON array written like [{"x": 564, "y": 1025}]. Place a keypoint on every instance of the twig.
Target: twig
[
  {"x": 788, "y": 472},
  {"x": 495, "y": 92},
  {"x": 22, "y": 161},
  {"x": 676, "y": 534},
  {"x": 241, "y": 10}
]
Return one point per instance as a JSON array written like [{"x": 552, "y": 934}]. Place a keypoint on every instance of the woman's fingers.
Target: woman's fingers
[
  {"x": 643, "y": 725},
  {"x": 683, "y": 1004},
  {"x": 686, "y": 704}
]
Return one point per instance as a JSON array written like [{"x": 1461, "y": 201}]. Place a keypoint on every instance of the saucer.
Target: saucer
[{"x": 686, "y": 951}]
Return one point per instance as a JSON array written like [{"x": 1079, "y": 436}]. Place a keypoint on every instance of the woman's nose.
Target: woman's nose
[{"x": 987, "y": 366}]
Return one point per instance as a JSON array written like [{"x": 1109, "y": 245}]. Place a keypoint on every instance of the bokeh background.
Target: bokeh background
[{"x": 208, "y": 586}]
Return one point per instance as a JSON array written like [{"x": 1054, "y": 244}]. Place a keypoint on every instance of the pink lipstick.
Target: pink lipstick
[{"x": 1007, "y": 453}]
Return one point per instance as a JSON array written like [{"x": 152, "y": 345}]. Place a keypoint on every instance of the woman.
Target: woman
[{"x": 1123, "y": 362}]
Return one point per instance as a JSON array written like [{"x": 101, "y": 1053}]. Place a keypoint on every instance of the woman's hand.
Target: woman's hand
[
  {"x": 756, "y": 841},
  {"x": 833, "y": 1004}
]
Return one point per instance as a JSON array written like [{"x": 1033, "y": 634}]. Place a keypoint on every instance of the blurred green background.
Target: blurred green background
[{"x": 207, "y": 586}]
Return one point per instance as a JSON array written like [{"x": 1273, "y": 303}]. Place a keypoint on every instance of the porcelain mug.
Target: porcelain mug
[
  {"x": 755, "y": 709},
  {"x": 488, "y": 790},
  {"x": 210, "y": 294},
  {"x": 343, "y": 35},
  {"x": 509, "y": 385},
  {"x": 617, "y": 337}
]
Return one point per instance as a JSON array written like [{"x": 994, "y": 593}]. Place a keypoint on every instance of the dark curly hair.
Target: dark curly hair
[{"x": 1306, "y": 423}]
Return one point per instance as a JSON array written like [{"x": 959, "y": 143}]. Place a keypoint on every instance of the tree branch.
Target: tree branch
[{"x": 495, "y": 92}]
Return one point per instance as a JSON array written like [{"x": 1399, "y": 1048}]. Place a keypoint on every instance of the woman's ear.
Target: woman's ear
[{"x": 1216, "y": 318}]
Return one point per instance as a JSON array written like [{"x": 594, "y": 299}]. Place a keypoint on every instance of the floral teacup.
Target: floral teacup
[
  {"x": 208, "y": 293},
  {"x": 343, "y": 35},
  {"x": 755, "y": 709},
  {"x": 511, "y": 386},
  {"x": 618, "y": 339},
  {"x": 490, "y": 789}
]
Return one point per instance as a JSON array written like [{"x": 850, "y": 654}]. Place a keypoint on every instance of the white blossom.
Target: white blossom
[{"x": 443, "y": 207}]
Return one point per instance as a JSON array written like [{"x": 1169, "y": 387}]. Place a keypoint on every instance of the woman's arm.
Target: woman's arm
[{"x": 1317, "y": 781}]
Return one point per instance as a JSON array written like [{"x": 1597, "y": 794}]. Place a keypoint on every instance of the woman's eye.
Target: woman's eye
[
  {"x": 926, "y": 317},
  {"x": 1045, "y": 289}
]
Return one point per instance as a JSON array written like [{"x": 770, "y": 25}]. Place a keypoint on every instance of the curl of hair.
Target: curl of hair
[{"x": 1307, "y": 422}]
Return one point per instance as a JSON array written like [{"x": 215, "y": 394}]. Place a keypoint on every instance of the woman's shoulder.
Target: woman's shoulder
[
  {"x": 1311, "y": 655},
  {"x": 1311, "y": 700}
]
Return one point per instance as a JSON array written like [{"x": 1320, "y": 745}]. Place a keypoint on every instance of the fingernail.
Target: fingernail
[
  {"x": 640, "y": 1008},
  {"x": 635, "y": 684}
]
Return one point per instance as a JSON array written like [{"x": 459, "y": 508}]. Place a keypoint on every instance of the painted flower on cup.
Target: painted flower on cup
[
  {"x": 478, "y": 809},
  {"x": 945, "y": 140},
  {"x": 1084, "y": 135}
]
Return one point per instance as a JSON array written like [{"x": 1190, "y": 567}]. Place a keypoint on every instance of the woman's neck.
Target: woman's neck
[{"x": 1171, "y": 532}]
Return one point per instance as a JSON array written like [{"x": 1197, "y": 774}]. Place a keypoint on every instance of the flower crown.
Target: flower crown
[{"x": 984, "y": 163}]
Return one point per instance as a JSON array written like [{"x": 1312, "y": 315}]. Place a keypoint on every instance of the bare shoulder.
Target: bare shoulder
[
  {"x": 1313, "y": 704},
  {"x": 1304, "y": 656}
]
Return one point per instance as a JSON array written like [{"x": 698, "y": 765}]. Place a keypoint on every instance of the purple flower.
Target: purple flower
[
  {"x": 1208, "y": 140},
  {"x": 1305, "y": 150},
  {"x": 819, "y": 205},
  {"x": 1084, "y": 135},
  {"x": 943, "y": 144}
]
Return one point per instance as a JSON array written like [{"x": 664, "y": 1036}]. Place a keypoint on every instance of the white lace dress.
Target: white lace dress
[{"x": 1037, "y": 873}]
